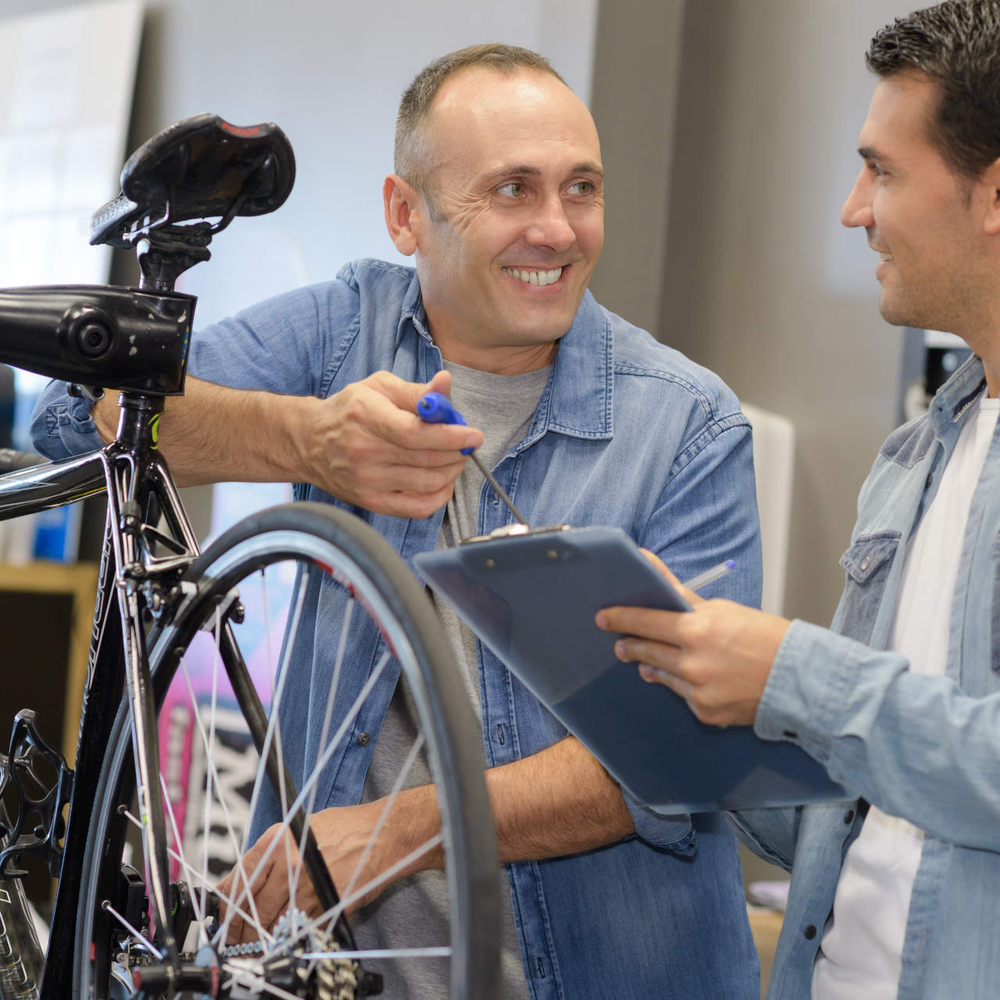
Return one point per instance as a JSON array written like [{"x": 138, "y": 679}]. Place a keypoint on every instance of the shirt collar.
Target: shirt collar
[
  {"x": 578, "y": 400},
  {"x": 954, "y": 399}
]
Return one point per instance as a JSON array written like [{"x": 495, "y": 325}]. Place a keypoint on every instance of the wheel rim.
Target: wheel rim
[{"x": 310, "y": 557}]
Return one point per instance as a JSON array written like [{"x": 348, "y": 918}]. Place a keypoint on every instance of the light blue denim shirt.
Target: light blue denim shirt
[
  {"x": 627, "y": 433},
  {"x": 926, "y": 748}
]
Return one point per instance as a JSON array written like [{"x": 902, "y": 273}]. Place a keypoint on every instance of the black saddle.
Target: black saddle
[{"x": 201, "y": 168}]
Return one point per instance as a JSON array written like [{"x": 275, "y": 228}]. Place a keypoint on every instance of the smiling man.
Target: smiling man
[
  {"x": 498, "y": 195},
  {"x": 894, "y": 894}
]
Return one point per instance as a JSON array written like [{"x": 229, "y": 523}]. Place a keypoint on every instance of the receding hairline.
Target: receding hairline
[{"x": 422, "y": 95}]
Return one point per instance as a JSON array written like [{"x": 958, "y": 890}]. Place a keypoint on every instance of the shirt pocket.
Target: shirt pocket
[{"x": 866, "y": 563}]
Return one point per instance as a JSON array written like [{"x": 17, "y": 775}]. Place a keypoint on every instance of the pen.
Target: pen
[{"x": 710, "y": 575}]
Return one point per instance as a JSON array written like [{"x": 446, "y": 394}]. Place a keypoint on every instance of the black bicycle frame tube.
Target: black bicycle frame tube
[
  {"x": 28, "y": 491},
  {"x": 55, "y": 484},
  {"x": 128, "y": 496}
]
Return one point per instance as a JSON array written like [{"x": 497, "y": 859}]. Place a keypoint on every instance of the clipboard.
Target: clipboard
[{"x": 531, "y": 598}]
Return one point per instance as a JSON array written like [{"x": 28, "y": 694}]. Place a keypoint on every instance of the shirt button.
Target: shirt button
[
  {"x": 364, "y": 739},
  {"x": 849, "y": 817},
  {"x": 866, "y": 563},
  {"x": 810, "y": 932}
]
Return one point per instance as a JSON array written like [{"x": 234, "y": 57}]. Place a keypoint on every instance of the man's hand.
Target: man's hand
[
  {"x": 364, "y": 445},
  {"x": 343, "y": 835},
  {"x": 717, "y": 657},
  {"x": 369, "y": 447}
]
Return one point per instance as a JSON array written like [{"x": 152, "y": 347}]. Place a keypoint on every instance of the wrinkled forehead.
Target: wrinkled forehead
[{"x": 482, "y": 115}]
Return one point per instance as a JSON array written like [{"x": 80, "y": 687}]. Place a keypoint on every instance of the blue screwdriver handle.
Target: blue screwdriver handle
[{"x": 436, "y": 408}]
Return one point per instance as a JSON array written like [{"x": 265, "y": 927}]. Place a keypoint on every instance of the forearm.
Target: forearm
[
  {"x": 915, "y": 745},
  {"x": 555, "y": 802},
  {"x": 217, "y": 434}
]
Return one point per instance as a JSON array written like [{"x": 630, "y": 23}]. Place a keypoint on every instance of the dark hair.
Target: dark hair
[
  {"x": 957, "y": 45},
  {"x": 420, "y": 94}
]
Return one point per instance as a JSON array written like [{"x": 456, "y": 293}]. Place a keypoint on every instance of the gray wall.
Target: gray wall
[
  {"x": 751, "y": 272},
  {"x": 636, "y": 78}
]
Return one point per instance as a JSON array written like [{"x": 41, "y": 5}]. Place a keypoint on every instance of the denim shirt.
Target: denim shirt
[
  {"x": 923, "y": 747},
  {"x": 627, "y": 433}
]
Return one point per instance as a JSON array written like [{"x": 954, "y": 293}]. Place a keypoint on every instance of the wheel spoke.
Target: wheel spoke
[
  {"x": 210, "y": 766},
  {"x": 283, "y": 826},
  {"x": 301, "y": 567},
  {"x": 345, "y": 630},
  {"x": 141, "y": 938}
]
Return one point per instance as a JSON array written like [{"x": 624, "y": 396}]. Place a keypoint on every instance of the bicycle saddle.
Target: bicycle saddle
[{"x": 200, "y": 168}]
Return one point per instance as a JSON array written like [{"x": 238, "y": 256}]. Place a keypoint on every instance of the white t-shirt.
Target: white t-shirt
[{"x": 862, "y": 946}]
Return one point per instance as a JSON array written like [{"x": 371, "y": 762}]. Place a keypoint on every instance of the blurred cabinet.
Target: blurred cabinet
[{"x": 46, "y": 617}]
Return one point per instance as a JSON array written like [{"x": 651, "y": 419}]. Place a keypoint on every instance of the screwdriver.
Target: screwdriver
[{"x": 436, "y": 408}]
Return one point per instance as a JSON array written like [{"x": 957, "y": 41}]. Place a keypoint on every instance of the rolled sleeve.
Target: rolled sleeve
[
  {"x": 61, "y": 424},
  {"x": 668, "y": 833}
]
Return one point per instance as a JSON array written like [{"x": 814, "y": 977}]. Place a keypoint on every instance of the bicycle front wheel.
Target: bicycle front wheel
[{"x": 278, "y": 582}]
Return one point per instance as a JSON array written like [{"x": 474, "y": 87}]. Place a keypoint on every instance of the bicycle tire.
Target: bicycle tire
[{"x": 349, "y": 555}]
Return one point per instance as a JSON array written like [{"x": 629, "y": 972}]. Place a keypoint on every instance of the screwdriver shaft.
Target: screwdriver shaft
[{"x": 498, "y": 489}]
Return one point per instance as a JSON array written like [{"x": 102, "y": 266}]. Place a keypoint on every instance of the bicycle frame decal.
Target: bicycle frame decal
[
  {"x": 100, "y": 613},
  {"x": 154, "y": 431}
]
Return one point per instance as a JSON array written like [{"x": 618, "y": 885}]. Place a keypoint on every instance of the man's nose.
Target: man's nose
[
  {"x": 550, "y": 226},
  {"x": 857, "y": 210}
]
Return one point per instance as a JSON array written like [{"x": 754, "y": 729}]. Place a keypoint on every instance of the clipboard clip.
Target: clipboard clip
[{"x": 510, "y": 530}]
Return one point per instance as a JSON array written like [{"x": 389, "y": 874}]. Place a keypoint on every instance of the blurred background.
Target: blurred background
[
  {"x": 729, "y": 133},
  {"x": 728, "y": 130}
]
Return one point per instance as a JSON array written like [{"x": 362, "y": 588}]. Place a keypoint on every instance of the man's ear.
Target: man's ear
[
  {"x": 401, "y": 201},
  {"x": 991, "y": 179}
]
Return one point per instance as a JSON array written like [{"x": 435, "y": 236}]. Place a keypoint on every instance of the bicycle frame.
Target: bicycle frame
[
  {"x": 132, "y": 579},
  {"x": 132, "y": 472}
]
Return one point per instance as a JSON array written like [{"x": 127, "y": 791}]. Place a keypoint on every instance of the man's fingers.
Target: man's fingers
[
  {"x": 658, "y": 655},
  {"x": 689, "y": 595},
  {"x": 679, "y": 685},
  {"x": 441, "y": 382},
  {"x": 401, "y": 423},
  {"x": 660, "y": 626}
]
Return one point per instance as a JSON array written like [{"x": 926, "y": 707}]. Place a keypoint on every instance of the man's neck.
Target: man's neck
[{"x": 498, "y": 360}]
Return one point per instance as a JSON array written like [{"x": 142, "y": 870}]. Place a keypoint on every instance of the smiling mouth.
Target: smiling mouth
[{"x": 535, "y": 277}]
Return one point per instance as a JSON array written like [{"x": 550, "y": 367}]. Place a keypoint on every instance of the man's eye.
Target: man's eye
[
  {"x": 582, "y": 187},
  {"x": 875, "y": 170},
  {"x": 512, "y": 189}
]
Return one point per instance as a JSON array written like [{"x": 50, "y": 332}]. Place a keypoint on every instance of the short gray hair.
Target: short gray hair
[{"x": 420, "y": 94}]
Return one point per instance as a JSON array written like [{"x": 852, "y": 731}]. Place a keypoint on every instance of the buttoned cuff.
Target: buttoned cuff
[
  {"x": 806, "y": 690},
  {"x": 668, "y": 833}
]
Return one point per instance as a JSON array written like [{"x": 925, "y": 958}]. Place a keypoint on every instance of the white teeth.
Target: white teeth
[
  {"x": 535, "y": 277},
  {"x": 885, "y": 256}
]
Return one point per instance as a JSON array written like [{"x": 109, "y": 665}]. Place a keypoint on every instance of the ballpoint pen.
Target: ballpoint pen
[{"x": 709, "y": 576}]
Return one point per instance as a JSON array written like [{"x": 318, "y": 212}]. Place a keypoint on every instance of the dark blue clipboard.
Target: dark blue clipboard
[{"x": 531, "y": 598}]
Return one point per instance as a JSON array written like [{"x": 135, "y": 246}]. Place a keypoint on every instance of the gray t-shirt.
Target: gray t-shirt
[{"x": 413, "y": 913}]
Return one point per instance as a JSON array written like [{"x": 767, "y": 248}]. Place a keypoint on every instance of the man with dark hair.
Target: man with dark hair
[
  {"x": 498, "y": 196},
  {"x": 894, "y": 894}
]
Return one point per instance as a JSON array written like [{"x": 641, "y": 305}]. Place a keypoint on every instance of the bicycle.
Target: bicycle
[{"x": 137, "y": 911}]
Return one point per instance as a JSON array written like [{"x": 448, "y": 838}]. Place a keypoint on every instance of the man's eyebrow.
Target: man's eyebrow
[
  {"x": 871, "y": 153},
  {"x": 524, "y": 170}
]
